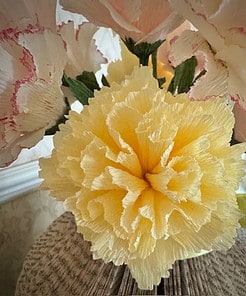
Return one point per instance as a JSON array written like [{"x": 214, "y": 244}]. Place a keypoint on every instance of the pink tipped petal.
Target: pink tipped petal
[
  {"x": 10, "y": 70},
  {"x": 228, "y": 16},
  {"x": 194, "y": 12},
  {"x": 51, "y": 60},
  {"x": 220, "y": 22},
  {"x": 235, "y": 59},
  {"x": 81, "y": 50},
  {"x": 11, "y": 55},
  {"x": 23, "y": 12},
  {"x": 39, "y": 103}
]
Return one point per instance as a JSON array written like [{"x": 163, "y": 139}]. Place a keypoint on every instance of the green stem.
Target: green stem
[
  {"x": 154, "y": 63},
  {"x": 144, "y": 60}
]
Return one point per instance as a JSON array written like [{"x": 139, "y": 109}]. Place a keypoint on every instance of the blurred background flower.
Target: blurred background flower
[
  {"x": 220, "y": 40},
  {"x": 130, "y": 19}
]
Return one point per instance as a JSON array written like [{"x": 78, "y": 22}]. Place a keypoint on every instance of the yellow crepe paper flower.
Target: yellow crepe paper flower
[
  {"x": 119, "y": 69},
  {"x": 150, "y": 178}
]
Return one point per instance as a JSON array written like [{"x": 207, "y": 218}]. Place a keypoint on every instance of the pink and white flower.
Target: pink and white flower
[
  {"x": 33, "y": 56},
  {"x": 141, "y": 20},
  {"x": 24, "y": 14},
  {"x": 82, "y": 53},
  {"x": 221, "y": 43},
  {"x": 163, "y": 50},
  {"x": 32, "y": 60},
  {"x": 31, "y": 99}
]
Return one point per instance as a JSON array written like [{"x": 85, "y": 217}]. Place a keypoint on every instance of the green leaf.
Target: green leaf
[
  {"x": 241, "y": 200},
  {"x": 105, "y": 81},
  {"x": 161, "y": 81},
  {"x": 154, "y": 63},
  {"x": 81, "y": 92},
  {"x": 142, "y": 50},
  {"x": 64, "y": 82},
  {"x": 89, "y": 79},
  {"x": 233, "y": 140},
  {"x": 183, "y": 76}
]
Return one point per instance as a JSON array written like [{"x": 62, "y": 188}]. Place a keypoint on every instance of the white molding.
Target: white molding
[
  {"x": 18, "y": 180},
  {"x": 21, "y": 176}
]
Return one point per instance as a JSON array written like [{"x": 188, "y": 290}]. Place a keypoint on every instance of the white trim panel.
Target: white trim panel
[
  {"x": 18, "y": 180},
  {"x": 22, "y": 175}
]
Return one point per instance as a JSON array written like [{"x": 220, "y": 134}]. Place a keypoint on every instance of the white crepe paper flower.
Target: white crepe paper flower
[
  {"x": 32, "y": 60},
  {"x": 82, "y": 52},
  {"x": 31, "y": 100},
  {"x": 33, "y": 56},
  {"x": 24, "y": 14},
  {"x": 220, "y": 42}
]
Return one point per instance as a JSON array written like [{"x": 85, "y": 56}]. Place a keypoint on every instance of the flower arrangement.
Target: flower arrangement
[{"x": 147, "y": 167}]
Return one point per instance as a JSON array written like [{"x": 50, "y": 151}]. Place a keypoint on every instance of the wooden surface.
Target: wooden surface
[{"x": 60, "y": 263}]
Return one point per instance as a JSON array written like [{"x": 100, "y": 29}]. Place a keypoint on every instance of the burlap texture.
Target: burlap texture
[{"x": 60, "y": 263}]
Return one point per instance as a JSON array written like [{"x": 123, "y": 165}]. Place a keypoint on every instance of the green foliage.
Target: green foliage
[
  {"x": 105, "y": 81},
  {"x": 183, "y": 76},
  {"x": 142, "y": 50},
  {"x": 89, "y": 79},
  {"x": 161, "y": 81},
  {"x": 79, "y": 89}
]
